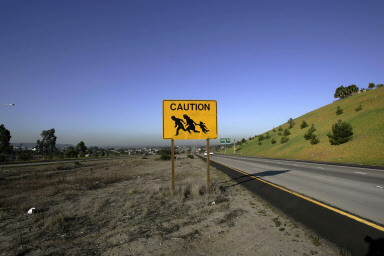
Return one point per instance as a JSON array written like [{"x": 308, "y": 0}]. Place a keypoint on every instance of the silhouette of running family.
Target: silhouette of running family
[{"x": 190, "y": 125}]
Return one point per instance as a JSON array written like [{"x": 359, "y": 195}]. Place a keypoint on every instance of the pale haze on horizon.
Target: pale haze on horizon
[{"x": 98, "y": 71}]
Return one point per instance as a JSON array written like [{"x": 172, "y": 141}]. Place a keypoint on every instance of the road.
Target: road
[{"x": 359, "y": 191}]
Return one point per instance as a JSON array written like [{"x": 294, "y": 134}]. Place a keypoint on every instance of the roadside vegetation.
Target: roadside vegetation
[{"x": 349, "y": 130}]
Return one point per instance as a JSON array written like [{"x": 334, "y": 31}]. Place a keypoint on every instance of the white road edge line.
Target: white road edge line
[{"x": 361, "y": 173}]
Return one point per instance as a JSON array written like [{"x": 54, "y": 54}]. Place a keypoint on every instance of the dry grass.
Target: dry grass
[{"x": 126, "y": 207}]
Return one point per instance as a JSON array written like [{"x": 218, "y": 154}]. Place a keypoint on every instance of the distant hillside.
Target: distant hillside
[
  {"x": 32, "y": 145},
  {"x": 366, "y": 147}
]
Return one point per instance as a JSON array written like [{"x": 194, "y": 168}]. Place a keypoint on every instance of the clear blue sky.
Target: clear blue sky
[{"x": 98, "y": 71}]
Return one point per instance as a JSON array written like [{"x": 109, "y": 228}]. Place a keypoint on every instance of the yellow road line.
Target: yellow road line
[{"x": 310, "y": 199}]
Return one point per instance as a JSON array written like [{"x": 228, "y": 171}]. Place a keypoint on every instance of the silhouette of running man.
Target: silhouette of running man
[
  {"x": 190, "y": 124},
  {"x": 203, "y": 128},
  {"x": 179, "y": 124}
]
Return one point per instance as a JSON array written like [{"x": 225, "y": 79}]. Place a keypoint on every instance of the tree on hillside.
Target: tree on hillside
[
  {"x": 273, "y": 141},
  {"x": 339, "y": 110},
  {"x": 81, "y": 148},
  {"x": 303, "y": 124},
  {"x": 371, "y": 85},
  {"x": 261, "y": 137},
  {"x": 286, "y": 132},
  {"x": 343, "y": 92},
  {"x": 47, "y": 145},
  {"x": 243, "y": 140},
  {"x": 342, "y": 132},
  {"x": 5, "y": 146},
  {"x": 291, "y": 123},
  {"x": 284, "y": 139},
  {"x": 340, "y": 92},
  {"x": 308, "y": 135},
  {"x": 315, "y": 139},
  {"x": 352, "y": 89}
]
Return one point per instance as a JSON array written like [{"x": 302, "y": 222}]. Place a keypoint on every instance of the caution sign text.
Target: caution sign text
[{"x": 189, "y": 119}]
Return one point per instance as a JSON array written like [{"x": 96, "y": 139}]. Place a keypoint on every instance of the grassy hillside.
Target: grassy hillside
[{"x": 366, "y": 147}]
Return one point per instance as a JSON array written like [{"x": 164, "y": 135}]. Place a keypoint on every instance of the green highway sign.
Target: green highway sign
[{"x": 225, "y": 140}]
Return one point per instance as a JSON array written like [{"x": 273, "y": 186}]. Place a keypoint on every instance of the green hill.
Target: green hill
[{"x": 366, "y": 147}]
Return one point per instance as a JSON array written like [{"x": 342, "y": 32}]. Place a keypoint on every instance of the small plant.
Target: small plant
[
  {"x": 339, "y": 110},
  {"x": 303, "y": 124},
  {"x": 345, "y": 252},
  {"x": 315, "y": 139},
  {"x": 165, "y": 154},
  {"x": 280, "y": 129},
  {"x": 291, "y": 123},
  {"x": 273, "y": 141},
  {"x": 277, "y": 221},
  {"x": 360, "y": 107},
  {"x": 308, "y": 135},
  {"x": 284, "y": 139},
  {"x": 342, "y": 132},
  {"x": 315, "y": 240},
  {"x": 286, "y": 132},
  {"x": 279, "y": 134}
]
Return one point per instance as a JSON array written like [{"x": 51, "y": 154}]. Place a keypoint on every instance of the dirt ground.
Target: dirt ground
[{"x": 125, "y": 207}]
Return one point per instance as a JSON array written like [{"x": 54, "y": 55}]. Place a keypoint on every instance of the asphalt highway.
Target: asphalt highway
[{"x": 356, "y": 190}]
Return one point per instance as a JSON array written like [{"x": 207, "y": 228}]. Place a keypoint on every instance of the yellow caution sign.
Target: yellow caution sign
[{"x": 189, "y": 119}]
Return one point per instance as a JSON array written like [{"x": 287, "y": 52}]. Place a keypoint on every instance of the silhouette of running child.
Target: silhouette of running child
[
  {"x": 190, "y": 124},
  {"x": 179, "y": 124},
  {"x": 203, "y": 128}
]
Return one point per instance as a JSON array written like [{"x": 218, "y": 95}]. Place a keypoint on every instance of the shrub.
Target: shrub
[
  {"x": 25, "y": 156},
  {"x": 260, "y": 143},
  {"x": 267, "y": 136},
  {"x": 165, "y": 154},
  {"x": 286, "y": 132},
  {"x": 291, "y": 123},
  {"x": 284, "y": 139},
  {"x": 342, "y": 132},
  {"x": 315, "y": 139},
  {"x": 379, "y": 85},
  {"x": 261, "y": 137},
  {"x": 360, "y": 107},
  {"x": 273, "y": 141},
  {"x": 339, "y": 110},
  {"x": 308, "y": 135},
  {"x": 279, "y": 134},
  {"x": 190, "y": 156},
  {"x": 303, "y": 124},
  {"x": 274, "y": 130},
  {"x": 280, "y": 129}
]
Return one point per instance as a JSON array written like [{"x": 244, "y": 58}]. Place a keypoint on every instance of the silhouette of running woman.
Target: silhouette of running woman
[
  {"x": 179, "y": 124},
  {"x": 203, "y": 128},
  {"x": 190, "y": 124}
]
